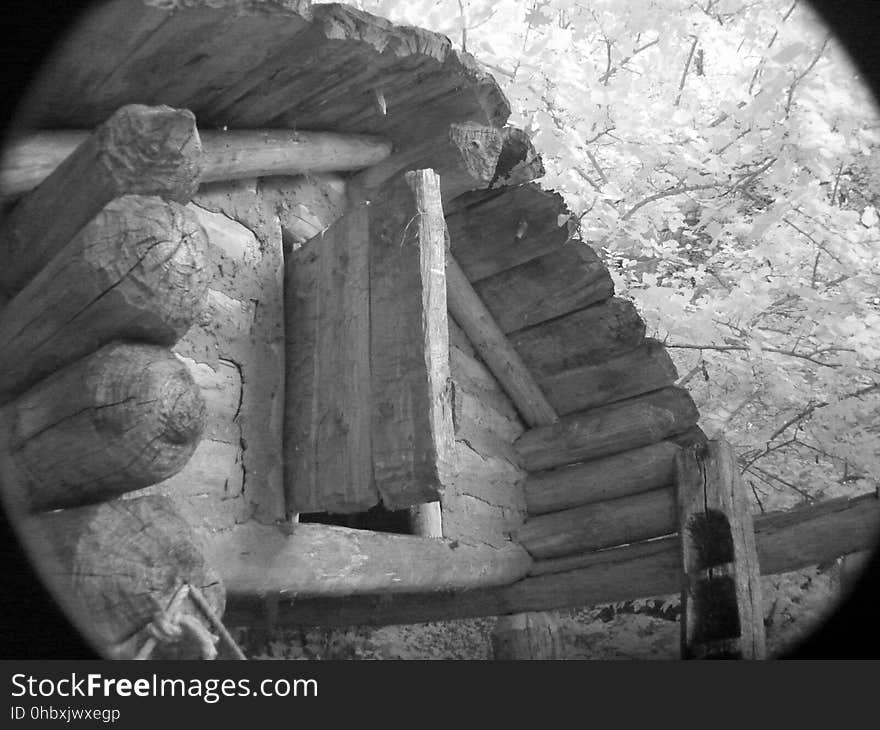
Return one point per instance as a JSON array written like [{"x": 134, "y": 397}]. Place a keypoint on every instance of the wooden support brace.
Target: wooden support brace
[
  {"x": 722, "y": 613},
  {"x": 141, "y": 150},
  {"x": 123, "y": 418},
  {"x": 136, "y": 271},
  {"x": 113, "y": 566},
  {"x": 527, "y": 636}
]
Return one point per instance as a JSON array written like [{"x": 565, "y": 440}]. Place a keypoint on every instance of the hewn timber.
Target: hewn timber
[
  {"x": 584, "y": 337},
  {"x": 123, "y": 418},
  {"x": 599, "y": 525},
  {"x": 494, "y": 348},
  {"x": 527, "y": 636},
  {"x": 465, "y": 157},
  {"x": 411, "y": 436},
  {"x": 327, "y": 451},
  {"x": 137, "y": 271},
  {"x": 505, "y": 228},
  {"x": 785, "y": 541},
  {"x": 226, "y": 154},
  {"x": 549, "y": 286},
  {"x": 426, "y": 520},
  {"x": 140, "y": 150},
  {"x": 312, "y": 559},
  {"x": 608, "y": 430},
  {"x": 519, "y": 161},
  {"x": 253, "y": 64},
  {"x": 113, "y": 566},
  {"x": 608, "y": 478},
  {"x": 643, "y": 369},
  {"x": 722, "y": 613}
]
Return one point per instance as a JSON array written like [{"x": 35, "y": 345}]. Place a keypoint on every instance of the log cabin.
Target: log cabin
[{"x": 286, "y": 318}]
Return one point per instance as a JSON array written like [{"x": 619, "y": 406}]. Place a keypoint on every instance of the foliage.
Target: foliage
[{"x": 721, "y": 154}]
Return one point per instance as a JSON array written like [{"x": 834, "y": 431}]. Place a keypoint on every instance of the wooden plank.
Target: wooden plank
[
  {"x": 506, "y": 228},
  {"x": 785, "y": 541},
  {"x": 412, "y": 436},
  {"x": 640, "y": 370},
  {"x": 142, "y": 150},
  {"x": 226, "y": 154},
  {"x": 123, "y": 418},
  {"x": 327, "y": 453},
  {"x": 114, "y": 565},
  {"x": 136, "y": 271},
  {"x": 608, "y": 430},
  {"x": 569, "y": 278},
  {"x": 585, "y": 337},
  {"x": 494, "y": 348},
  {"x": 527, "y": 636},
  {"x": 620, "y": 475},
  {"x": 318, "y": 559},
  {"x": 722, "y": 612},
  {"x": 599, "y": 525}
]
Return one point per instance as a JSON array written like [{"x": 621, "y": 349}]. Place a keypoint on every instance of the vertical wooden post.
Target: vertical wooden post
[
  {"x": 722, "y": 614},
  {"x": 527, "y": 636}
]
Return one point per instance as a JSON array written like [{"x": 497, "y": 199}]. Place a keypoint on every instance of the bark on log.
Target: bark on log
[
  {"x": 505, "y": 228},
  {"x": 527, "y": 636},
  {"x": 412, "y": 436},
  {"x": 599, "y": 525},
  {"x": 136, "y": 271},
  {"x": 123, "y": 418},
  {"x": 641, "y": 370},
  {"x": 494, "y": 348},
  {"x": 722, "y": 612},
  {"x": 608, "y": 430},
  {"x": 546, "y": 287},
  {"x": 785, "y": 541},
  {"x": 621, "y": 475},
  {"x": 113, "y": 566},
  {"x": 313, "y": 559},
  {"x": 586, "y": 337},
  {"x": 140, "y": 150}
]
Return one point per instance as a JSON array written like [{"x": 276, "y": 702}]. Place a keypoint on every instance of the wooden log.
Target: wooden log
[
  {"x": 505, "y": 228},
  {"x": 412, "y": 437},
  {"x": 123, "y": 418},
  {"x": 493, "y": 347},
  {"x": 113, "y": 566},
  {"x": 647, "y": 367},
  {"x": 316, "y": 559},
  {"x": 327, "y": 454},
  {"x": 722, "y": 613},
  {"x": 527, "y": 636},
  {"x": 140, "y": 150},
  {"x": 608, "y": 430},
  {"x": 426, "y": 520},
  {"x": 226, "y": 154},
  {"x": 620, "y": 475},
  {"x": 549, "y": 286},
  {"x": 519, "y": 161},
  {"x": 465, "y": 157},
  {"x": 585, "y": 337},
  {"x": 599, "y": 525},
  {"x": 138, "y": 270},
  {"x": 785, "y": 541}
]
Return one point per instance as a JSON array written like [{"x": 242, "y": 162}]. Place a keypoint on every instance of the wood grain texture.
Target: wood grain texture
[
  {"x": 585, "y": 337},
  {"x": 318, "y": 559},
  {"x": 123, "y": 418},
  {"x": 569, "y": 278},
  {"x": 608, "y": 430},
  {"x": 138, "y": 271},
  {"x": 412, "y": 436},
  {"x": 722, "y": 611},
  {"x": 327, "y": 451},
  {"x": 640, "y": 370},
  {"x": 519, "y": 161},
  {"x": 599, "y": 525},
  {"x": 113, "y": 566},
  {"x": 526, "y": 636},
  {"x": 139, "y": 150},
  {"x": 785, "y": 541},
  {"x": 494, "y": 348},
  {"x": 610, "y": 477}
]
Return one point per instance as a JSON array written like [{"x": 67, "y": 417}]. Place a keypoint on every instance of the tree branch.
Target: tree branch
[
  {"x": 743, "y": 348},
  {"x": 800, "y": 77},
  {"x": 678, "y": 190},
  {"x": 684, "y": 73}
]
